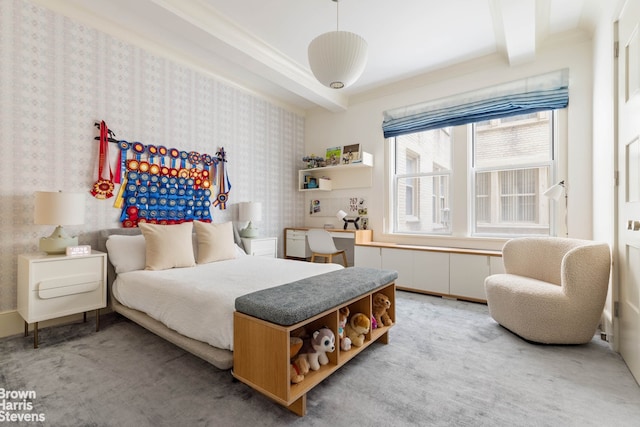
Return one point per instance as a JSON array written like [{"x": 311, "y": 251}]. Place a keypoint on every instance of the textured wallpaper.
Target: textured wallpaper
[{"x": 58, "y": 77}]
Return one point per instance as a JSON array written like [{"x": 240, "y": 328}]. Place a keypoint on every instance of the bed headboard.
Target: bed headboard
[{"x": 103, "y": 235}]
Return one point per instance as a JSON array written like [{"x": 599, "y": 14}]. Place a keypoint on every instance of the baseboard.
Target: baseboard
[{"x": 11, "y": 322}]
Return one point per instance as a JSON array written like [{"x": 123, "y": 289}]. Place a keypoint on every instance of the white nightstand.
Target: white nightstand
[
  {"x": 51, "y": 286},
  {"x": 261, "y": 246}
]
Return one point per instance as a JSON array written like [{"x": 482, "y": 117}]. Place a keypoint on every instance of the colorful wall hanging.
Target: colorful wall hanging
[{"x": 168, "y": 186}]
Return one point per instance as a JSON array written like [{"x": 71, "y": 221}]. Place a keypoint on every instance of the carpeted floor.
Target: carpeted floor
[{"x": 447, "y": 364}]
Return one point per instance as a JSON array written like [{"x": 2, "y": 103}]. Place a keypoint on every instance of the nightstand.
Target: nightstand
[
  {"x": 261, "y": 246},
  {"x": 51, "y": 286}
]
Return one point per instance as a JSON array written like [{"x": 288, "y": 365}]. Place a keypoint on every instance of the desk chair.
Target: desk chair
[{"x": 321, "y": 245}]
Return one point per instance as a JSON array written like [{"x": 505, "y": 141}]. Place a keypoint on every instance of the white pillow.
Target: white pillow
[
  {"x": 215, "y": 241},
  {"x": 168, "y": 246},
  {"x": 126, "y": 253}
]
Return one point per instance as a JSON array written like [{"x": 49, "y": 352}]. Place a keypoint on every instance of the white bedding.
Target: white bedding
[{"x": 199, "y": 301}]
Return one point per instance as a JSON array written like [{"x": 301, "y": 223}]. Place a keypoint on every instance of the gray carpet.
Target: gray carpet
[{"x": 447, "y": 364}]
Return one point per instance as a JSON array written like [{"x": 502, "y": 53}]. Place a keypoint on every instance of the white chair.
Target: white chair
[
  {"x": 553, "y": 291},
  {"x": 321, "y": 245}
]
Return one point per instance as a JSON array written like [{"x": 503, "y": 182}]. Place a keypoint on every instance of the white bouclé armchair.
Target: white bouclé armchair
[{"x": 553, "y": 291}]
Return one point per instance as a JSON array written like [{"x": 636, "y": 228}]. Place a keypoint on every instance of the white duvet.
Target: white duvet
[{"x": 199, "y": 302}]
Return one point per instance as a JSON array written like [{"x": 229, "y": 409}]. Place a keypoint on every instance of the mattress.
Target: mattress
[{"x": 199, "y": 301}]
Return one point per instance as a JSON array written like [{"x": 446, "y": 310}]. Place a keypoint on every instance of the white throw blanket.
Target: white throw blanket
[{"x": 199, "y": 302}]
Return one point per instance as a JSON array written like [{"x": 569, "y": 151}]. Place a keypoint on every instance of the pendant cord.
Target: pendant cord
[{"x": 337, "y": 15}]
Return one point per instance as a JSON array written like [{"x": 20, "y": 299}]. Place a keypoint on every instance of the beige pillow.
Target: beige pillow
[
  {"x": 215, "y": 241},
  {"x": 168, "y": 246}
]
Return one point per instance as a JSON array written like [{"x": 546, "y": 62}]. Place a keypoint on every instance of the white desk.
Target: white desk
[{"x": 297, "y": 247}]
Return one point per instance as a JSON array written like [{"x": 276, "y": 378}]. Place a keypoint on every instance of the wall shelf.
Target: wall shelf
[{"x": 355, "y": 175}]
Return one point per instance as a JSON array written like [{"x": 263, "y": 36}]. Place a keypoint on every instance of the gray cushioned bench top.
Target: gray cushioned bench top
[{"x": 297, "y": 301}]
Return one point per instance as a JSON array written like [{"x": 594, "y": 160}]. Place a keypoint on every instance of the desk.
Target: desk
[{"x": 296, "y": 246}]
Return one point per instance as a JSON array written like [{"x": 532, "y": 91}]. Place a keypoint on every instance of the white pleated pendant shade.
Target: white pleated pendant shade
[{"x": 338, "y": 58}]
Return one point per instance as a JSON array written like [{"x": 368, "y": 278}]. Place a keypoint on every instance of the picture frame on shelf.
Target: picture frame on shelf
[
  {"x": 351, "y": 154},
  {"x": 333, "y": 156}
]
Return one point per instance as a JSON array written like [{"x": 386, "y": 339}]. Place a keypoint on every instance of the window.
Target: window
[
  {"x": 508, "y": 165},
  {"x": 421, "y": 182},
  {"x": 512, "y": 164}
]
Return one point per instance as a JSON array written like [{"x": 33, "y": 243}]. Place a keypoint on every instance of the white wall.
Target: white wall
[{"x": 362, "y": 123}]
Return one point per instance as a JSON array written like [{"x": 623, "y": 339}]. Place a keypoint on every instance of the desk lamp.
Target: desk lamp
[{"x": 343, "y": 216}]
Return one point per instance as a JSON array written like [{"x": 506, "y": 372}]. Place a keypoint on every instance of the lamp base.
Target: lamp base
[
  {"x": 250, "y": 232},
  {"x": 57, "y": 242}
]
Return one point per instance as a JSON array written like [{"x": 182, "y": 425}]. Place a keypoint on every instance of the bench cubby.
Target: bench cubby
[{"x": 261, "y": 349}]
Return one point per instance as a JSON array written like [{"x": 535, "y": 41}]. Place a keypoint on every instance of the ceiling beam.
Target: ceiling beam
[
  {"x": 514, "y": 24},
  {"x": 254, "y": 54}
]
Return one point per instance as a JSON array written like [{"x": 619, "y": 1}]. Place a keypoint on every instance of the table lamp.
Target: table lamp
[
  {"x": 58, "y": 208},
  {"x": 343, "y": 216},
  {"x": 248, "y": 212}
]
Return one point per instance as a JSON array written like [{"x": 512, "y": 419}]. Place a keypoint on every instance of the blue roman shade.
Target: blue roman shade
[{"x": 548, "y": 91}]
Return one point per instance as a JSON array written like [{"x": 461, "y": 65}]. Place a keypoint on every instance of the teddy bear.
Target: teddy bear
[
  {"x": 299, "y": 366},
  {"x": 316, "y": 348},
  {"x": 381, "y": 304},
  {"x": 357, "y": 327},
  {"x": 345, "y": 342},
  {"x": 298, "y": 369}
]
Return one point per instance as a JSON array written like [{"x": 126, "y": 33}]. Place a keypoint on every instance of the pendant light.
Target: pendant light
[{"x": 337, "y": 58}]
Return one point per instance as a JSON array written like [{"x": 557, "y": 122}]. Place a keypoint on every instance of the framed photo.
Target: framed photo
[
  {"x": 351, "y": 154},
  {"x": 333, "y": 156}
]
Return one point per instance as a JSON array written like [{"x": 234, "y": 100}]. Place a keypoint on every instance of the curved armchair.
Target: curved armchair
[{"x": 553, "y": 291}]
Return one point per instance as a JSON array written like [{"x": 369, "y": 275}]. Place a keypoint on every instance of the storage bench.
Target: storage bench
[{"x": 264, "y": 320}]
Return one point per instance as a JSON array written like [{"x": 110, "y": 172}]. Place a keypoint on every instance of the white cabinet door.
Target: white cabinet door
[
  {"x": 401, "y": 261},
  {"x": 431, "y": 271},
  {"x": 365, "y": 256},
  {"x": 467, "y": 274}
]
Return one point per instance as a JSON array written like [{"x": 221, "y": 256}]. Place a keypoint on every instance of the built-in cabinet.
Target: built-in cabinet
[
  {"x": 439, "y": 271},
  {"x": 355, "y": 175}
]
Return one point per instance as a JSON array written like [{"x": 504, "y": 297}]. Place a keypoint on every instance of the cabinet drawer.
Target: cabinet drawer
[
  {"x": 65, "y": 272},
  {"x": 57, "y": 306}
]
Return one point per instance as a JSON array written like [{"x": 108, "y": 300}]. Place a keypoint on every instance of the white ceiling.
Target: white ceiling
[{"x": 262, "y": 44}]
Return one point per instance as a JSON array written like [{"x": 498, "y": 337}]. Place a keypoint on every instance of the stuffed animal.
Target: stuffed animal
[
  {"x": 345, "y": 342},
  {"x": 374, "y": 324},
  {"x": 296, "y": 370},
  {"x": 381, "y": 304},
  {"x": 315, "y": 350},
  {"x": 357, "y": 327}
]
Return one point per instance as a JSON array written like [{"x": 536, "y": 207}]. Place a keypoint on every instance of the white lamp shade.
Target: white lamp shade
[
  {"x": 341, "y": 214},
  {"x": 59, "y": 208},
  {"x": 250, "y": 211},
  {"x": 338, "y": 58},
  {"x": 555, "y": 191}
]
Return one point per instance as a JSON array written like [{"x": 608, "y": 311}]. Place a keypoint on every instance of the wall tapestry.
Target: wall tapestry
[{"x": 161, "y": 185}]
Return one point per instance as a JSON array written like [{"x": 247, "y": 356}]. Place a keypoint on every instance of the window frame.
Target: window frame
[{"x": 461, "y": 190}]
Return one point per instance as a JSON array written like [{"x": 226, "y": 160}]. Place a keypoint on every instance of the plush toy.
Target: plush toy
[
  {"x": 315, "y": 350},
  {"x": 345, "y": 342},
  {"x": 356, "y": 328},
  {"x": 381, "y": 304},
  {"x": 374, "y": 324},
  {"x": 296, "y": 369}
]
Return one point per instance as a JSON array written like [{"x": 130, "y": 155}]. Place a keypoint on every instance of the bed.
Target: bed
[{"x": 191, "y": 304}]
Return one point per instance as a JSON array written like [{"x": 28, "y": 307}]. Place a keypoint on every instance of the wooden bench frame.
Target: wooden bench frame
[{"x": 261, "y": 350}]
